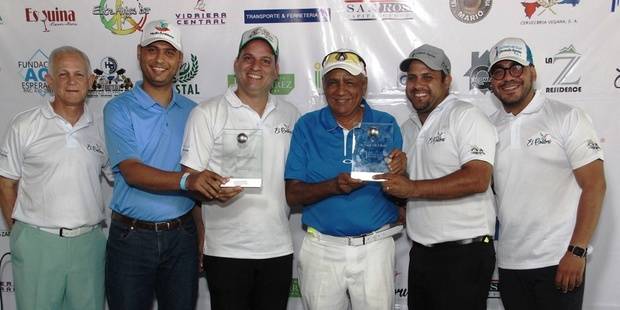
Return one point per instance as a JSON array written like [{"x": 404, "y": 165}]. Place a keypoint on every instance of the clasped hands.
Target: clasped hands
[{"x": 209, "y": 184}]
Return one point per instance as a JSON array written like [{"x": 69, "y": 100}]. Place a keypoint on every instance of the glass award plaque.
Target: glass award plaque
[
  {"x": 371, "y": 145},
  {"x": 242, "y": 158}
]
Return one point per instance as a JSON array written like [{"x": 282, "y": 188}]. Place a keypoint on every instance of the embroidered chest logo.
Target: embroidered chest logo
[
  {"x": 543, "y": 138},
  {"x": 282, "y": 129},
  {"x": 95, "y": 148},
  {"x": 439, "y": 137},
  {"x": 593, "y": 145},
  {"x": 476, "y": 150}
]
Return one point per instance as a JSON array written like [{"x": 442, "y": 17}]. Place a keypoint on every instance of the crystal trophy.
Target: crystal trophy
[
  {"x": 372, "y": 143},
  {"x": 243, "y": 157}
]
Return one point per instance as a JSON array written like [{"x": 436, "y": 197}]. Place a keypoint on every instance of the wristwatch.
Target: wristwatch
[{"x": 577, "y": 251}]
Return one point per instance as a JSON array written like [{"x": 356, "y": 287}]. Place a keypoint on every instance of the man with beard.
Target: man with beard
[
  {"x": 153, "y": 241},
  {"x": 550, "y": 185},
  {"x": 249, "y": 249},
  {"x": 450, "y": 145}
]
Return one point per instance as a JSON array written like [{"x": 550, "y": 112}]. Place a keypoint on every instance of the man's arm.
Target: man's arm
[
  {"x": 200, "y": 230},
  {"x": 302, "y": 193},
  {"x": 8, "y": 195},
  {"x": 146, "y": 177},
  {"x": 472, "y": 178},
  {"x": 591, "y": 179}
]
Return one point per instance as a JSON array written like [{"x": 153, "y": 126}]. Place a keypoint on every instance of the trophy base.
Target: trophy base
[
  {"x": 366, "y": 176},
  {"x": 243, "y": 182}
]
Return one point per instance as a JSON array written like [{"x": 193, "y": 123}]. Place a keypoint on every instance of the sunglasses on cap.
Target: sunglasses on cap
[{"x": 340, "y": 56}]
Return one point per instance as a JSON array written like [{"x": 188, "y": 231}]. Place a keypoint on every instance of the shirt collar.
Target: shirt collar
[
  {"x": 49, "y": 113},
  {"x": 329, "y": 121},
  {"x": 146, "y": 101},
  {"x": 444, "y": 104},
  {"x": 235, "y": 102},
  {"x": 534, "y": 106}
]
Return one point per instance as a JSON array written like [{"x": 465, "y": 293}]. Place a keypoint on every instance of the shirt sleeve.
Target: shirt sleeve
[
  {"x": 119, "y": 134},
  {"x": 11, "y": 156},
  {"x": 198, "y": 141},
  {"x": 476, "y": 137},
  {"x": 581, "y": 142},
  {"x": 297, "y": 160}
]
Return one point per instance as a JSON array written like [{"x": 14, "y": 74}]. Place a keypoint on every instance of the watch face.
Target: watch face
[{"x": 581, "y": 252}]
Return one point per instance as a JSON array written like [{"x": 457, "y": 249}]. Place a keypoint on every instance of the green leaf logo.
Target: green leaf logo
[{"x": 188, "y": 71}]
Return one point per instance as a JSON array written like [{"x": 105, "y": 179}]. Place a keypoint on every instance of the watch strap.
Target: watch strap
[{"x": 577, "y": 250}]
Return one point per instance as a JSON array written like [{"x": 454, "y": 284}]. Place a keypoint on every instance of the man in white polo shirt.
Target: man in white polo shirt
[
  {"x": 248, "y": 244},
  {"x": 550, "y": 185},
  {"x": 450, "y": 145},
  {"x": 50, "y": 163}
]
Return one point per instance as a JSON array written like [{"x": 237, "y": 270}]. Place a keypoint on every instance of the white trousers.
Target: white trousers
[{"x": 332, "y": 274}]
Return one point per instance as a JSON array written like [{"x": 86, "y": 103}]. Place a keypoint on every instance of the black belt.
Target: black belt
[
  {"x": 156, "y": 226},
  {"x": 483, "y": 239}
]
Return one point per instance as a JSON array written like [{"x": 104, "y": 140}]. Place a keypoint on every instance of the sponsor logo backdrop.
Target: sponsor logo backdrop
[{"x": 575, "y": 45}]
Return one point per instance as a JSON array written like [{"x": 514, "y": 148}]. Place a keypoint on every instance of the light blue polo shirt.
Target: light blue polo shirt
[
  {"x": 317, "y": 153},
  {"x": 138, "y": 127}
]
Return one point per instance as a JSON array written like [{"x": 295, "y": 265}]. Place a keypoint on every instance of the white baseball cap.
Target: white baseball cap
[
  {"x": 514, "y": 49},
  {"x": 345, "y": 59},
  {"x": 161, "y": 30},
  {"x": 260, "y": 33}
]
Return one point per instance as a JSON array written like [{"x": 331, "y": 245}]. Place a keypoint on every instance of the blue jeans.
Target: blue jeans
[{"x": 143, "y": 264}]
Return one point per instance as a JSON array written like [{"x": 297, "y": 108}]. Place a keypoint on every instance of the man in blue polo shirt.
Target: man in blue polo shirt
[
  {"x": 152, "y": 245},
  {"x": 348, "y": 251}
]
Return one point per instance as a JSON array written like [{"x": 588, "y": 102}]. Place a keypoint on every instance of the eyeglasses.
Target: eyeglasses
[
  {"x": 339, "y": 56},
  {"x": 516, "y": 70}
]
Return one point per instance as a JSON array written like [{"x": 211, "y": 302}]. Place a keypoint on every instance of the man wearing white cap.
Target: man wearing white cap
[
  {"x": 248, "y": 246},
  {"x": 50, "y": 192},
  {"x": 347, "y": 255},
  {"x": 550, "y": 183},
  {"x": 450, "y": 145},
  {"x": 152, "y": 243}
]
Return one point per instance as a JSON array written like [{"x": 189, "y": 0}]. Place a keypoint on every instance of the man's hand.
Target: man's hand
[
  {"x": 8, "y": 195},
  {"x": 207, "y": 183},
  {"x": 396, "y": 185},
  {"x": 397, "y": 162},
  {"x": 227, "y": 193},
  {"x": 346, "y": 184},
  {"x": 570, "y": 272}
]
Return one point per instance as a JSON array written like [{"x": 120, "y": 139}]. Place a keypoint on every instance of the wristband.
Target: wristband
[{"x": 183, "y": 180}]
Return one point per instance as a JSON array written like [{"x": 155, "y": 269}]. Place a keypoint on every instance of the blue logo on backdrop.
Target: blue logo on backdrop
[
  {"x": 310, "y": 15},
  {"x": 33, "y": 71}
]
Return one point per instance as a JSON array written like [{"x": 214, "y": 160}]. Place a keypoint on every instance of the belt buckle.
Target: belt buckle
[
  {"x": 61, "y": 231},
  {"x": 166, "y": 224}
]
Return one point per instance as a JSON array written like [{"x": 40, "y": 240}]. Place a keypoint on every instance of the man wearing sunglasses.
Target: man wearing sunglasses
[
  {"x": 450, "y": 145},
  {"x": 348, "y": 251},
  {"x": 550, "y": 185}
]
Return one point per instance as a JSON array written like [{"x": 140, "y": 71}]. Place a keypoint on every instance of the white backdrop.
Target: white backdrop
[{"x": 575, "y": 43}]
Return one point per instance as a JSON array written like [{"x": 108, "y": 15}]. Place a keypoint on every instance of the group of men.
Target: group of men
[{"x": 170, "y": 205}]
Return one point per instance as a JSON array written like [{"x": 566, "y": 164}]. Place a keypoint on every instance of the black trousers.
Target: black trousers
[
  {"x": 249, "y": 284},
  {"x": 534, "y": 289},
  {"x": 450, "y": 277}
]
